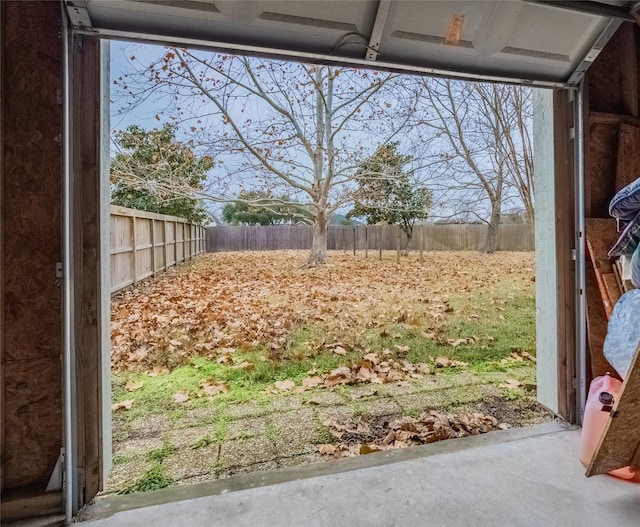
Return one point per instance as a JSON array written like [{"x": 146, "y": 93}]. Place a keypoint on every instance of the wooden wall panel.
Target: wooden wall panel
[
  {"x": 628, "y": 70},
  {"x": 31, "y": 225},
  {"x": 604, "y": 79},
  {"x": 628, "y": 162},
  {"x": 603, "y": 148},
  {"x": 28, "y": 399}
]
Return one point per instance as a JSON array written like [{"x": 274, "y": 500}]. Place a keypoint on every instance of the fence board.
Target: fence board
[
  {"x": 143, "y": 243},
  {"x": 432, "y": 237}
]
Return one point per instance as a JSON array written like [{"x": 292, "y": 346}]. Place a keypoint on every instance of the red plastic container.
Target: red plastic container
[{"x": 603, "y": 392}]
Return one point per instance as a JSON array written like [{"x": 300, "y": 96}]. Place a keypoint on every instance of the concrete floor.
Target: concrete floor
[{"x": 522, "y": 477}]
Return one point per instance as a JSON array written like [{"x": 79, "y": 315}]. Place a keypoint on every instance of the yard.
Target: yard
[{"x": 242, "y": 362}]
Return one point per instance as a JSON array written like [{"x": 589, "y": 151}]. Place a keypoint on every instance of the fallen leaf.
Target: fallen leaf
[
  {"x": 312, "y": 382},
  {"x": 180, "y": 397},
  {"x": 339, "y": 350},
  {"x": 123, "y": 405},
  {"x": 327, "y": 449},
  {"x": 225, "y": 359},
  {"x": 341, "y": 375},
  {"x": 244, "y": 365},
  {"x": 284, "y": 386},
  {"x": 510, "y": 383},
  {"x": 214, "y": 388},
  {"x": 133, "y": 386},
  {"x": 158, "y": 370},
  {"x": 442, "y": 362},
  {"x": 368, "y": 449},
  {"x": 458, "y": 363}
]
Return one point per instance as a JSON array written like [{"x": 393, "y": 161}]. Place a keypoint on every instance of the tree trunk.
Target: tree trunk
[
  {"x": 491, "y": 241},
  {"x": 318, "y": 254},
  {"x": 407, "y": 246}
]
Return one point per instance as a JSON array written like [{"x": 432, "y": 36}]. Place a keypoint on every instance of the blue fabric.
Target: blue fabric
[
  {"x": 623, "y": 332},
  {"x": 626, "y": 203},
  {"x": 635, "y": 268},
  {"x": 629, "y": 238}
]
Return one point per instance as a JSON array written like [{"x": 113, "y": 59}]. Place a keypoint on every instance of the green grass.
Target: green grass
[
  {"x": 498, "y": 320},
  {"x": 160, "y": 454},
  {"x": 502, "y": 322},
  {"x": 271, "y": 432},
  {"x": 154, "y": 479},
  {"x": 412, "y": 412},
  {"x": 202, "y": 442}
]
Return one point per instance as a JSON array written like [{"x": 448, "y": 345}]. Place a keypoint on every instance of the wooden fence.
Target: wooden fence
[
  {"x": 143, "y": 243},
  {"x": 511, "y": 237}
]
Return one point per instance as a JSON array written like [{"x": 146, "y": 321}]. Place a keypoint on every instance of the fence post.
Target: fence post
[
  {"x": 153, "y": 245},
  {"x": 175, "y": 242},
  {"x": 354, "y": 240},
  {"x": 380, "y": 242},
  {"x": 421, "y": 233},
  {"x": 134, "y": 256},
  {"x": 366, "y": 241},
  {"x": 166, "y": 245},
  {"x": 184, "y": 242},
  {"x": 397, "y": 245}
]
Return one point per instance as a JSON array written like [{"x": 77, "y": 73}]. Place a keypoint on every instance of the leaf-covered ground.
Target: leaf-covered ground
[
  {"x": 241, "y": 362},
  {"x": 259, "y": 300}
]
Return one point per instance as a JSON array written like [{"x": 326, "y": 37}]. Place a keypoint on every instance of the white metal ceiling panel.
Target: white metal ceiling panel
[{"x": 524, "y": 41}]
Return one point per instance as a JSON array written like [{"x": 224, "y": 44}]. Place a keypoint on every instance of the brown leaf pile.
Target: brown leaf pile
[
  {"x": 359, "y": 437},
  {"x": 226, "y": 301},
  {"x": 370, "y": 369}
]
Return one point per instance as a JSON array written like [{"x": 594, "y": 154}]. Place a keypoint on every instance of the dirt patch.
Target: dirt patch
[
  {"x": 364, "y": 435},
  {"x": 515, "y": 413}
]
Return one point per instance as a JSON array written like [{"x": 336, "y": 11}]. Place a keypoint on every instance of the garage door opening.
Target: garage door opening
[{"x": 419, "y": 325}]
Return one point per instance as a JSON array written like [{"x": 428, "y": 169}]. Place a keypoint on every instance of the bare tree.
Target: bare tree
[
  {"x": 515, "y": 113},
  {"x": 482, "y": 141},
  {"x": 283, "y": 127}
]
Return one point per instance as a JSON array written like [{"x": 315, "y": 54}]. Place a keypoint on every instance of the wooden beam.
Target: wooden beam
[
  {"x": 20, "y": 505},
  {"x": 565, "y": 243},
  {"x": 596, "y": 327},
  {"x": 87, "y": 213},
  {"x": 601, "y": 234},
  {"x": 612, "y": 118}
]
